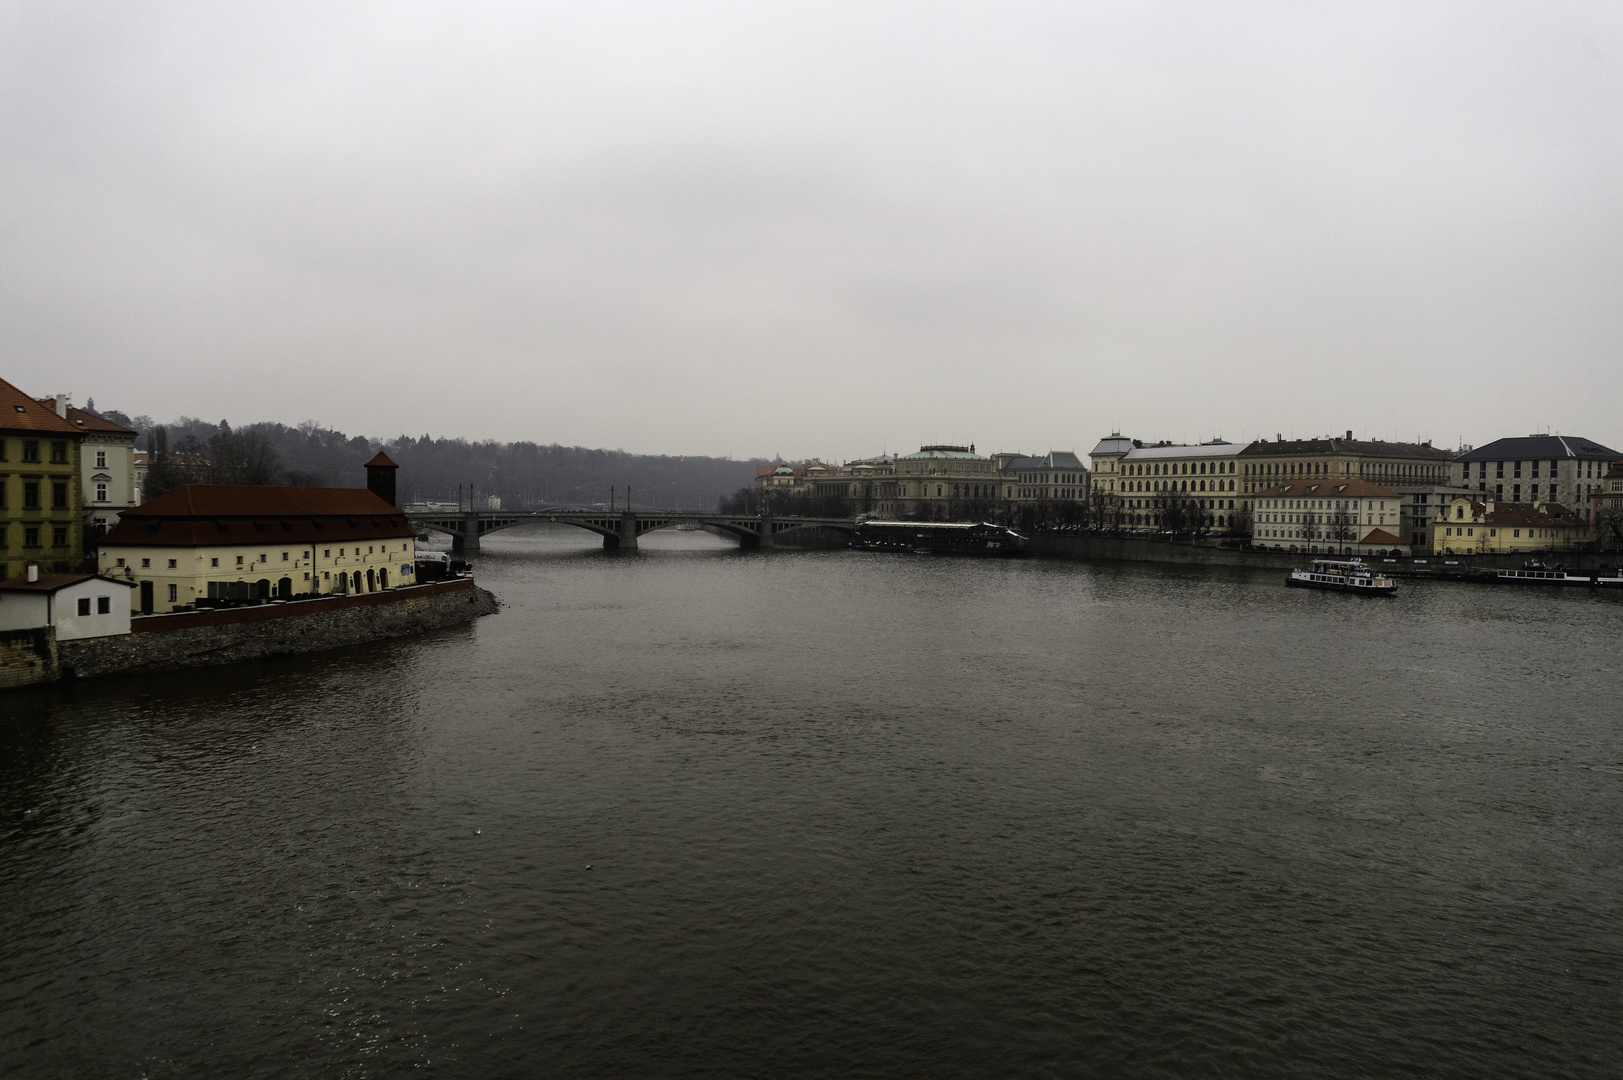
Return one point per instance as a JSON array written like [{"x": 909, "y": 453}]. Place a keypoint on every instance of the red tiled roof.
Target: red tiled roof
[
  {"x": 380, "y": 458},
  {"x": 1328, "y": 487},
  {"x": 1380, "y": 536},
  {"x": 49, "y": 583},
  {"x": 1555, "y": 516},
  {"x": 253, "y": 500},
  {"x": 89, "y": 421},
  {"x": 46, "y": 582},
  {"x": 208, "y": 514},
  {"x": 19, "y": 412}
]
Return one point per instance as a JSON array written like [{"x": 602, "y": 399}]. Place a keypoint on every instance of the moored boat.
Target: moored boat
[
  {"x": 1540, "y": 575},
  {"x": 1350, "y": 576},
  {"x": 939, "y": 538}
]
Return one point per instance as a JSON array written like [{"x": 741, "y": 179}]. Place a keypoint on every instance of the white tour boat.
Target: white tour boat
[{"x": 1352, "y": 576}]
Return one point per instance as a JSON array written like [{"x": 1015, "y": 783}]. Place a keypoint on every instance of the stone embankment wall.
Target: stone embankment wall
[
  {"x": 27, "y": 657},
  {"x": 1142, "y": 549},
  {"x": 226, "y": 636}
]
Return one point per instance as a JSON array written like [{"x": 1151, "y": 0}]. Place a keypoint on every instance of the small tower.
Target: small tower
[{"x": 380, "y": 474}]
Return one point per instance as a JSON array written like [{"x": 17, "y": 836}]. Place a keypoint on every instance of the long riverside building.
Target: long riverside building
[{"x": 282, "y": 541}]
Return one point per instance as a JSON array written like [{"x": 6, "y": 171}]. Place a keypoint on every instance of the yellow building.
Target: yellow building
[
  {"x": 41, "y": 517},
  {"x": 1130, "y": 479},
  {"x": 940, "y": 483},
  {"x": 1468, "y": 527},
  {"x": 211, "y": 542}
]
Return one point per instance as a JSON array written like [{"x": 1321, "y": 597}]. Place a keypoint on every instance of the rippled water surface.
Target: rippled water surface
[{"x": 698, "y": 812}]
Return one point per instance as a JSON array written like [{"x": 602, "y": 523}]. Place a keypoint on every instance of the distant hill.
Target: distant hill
[{"x": 523, "y": 474}]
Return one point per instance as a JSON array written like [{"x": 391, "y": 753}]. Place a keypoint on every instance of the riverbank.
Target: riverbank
[
  {"x": 1200, "y": 553},
  {"x": 227, "y": 636}
]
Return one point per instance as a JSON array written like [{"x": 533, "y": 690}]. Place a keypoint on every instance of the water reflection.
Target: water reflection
[{"x": 844, "y": 814}]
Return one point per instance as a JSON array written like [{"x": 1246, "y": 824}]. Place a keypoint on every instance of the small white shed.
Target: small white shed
[{"x": 78, "y": 605}]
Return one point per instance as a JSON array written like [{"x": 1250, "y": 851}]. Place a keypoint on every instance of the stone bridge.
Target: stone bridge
[{"x": 619, "y": 529}]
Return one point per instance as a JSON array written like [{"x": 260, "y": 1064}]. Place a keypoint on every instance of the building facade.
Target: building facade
[
  {"x": 868, "y": 485},
  {"x": 1058, "y": 476},
  {"x": 1538, "y": 468},
  {"x": 208, "y": 541},
  {"x": 106, "y": 466},
  {"x": 1468, "y": 526},
  {"x": 943, "y": 482},
  {"x": 41, "y": 496},
  {"x": 1131, "y": 481},
  {"x": 1606, "y": 510},
  {"x": 1341, "y": 515}
]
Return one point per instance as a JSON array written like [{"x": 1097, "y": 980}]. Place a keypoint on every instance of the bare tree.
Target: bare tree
[
  {"x": 1341, "y": 525},
  {"x": 1607, "y": 529}
]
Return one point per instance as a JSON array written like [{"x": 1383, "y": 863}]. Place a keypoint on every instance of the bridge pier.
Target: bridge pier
[
  {"x": 468, "y": 542},
  {"x": 627, "y": 538},
  {"x": 766, "y": 541}
]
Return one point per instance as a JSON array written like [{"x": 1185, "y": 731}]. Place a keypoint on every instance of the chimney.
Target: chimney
[
  {"x": 61, "y": 405},
  {"x": 33, "y": 572},
  {"x": 1349, "y": 434}
]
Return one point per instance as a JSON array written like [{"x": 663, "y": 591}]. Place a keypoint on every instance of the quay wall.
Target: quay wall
[
  {"x": 230, "y": 635},
  {"x": 1144, "y": 549},
  {"x": 27, "y": 657}
]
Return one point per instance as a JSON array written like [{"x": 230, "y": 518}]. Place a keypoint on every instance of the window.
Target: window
[
  {"x": 101, "y": 492},
  {"x": 59, "y": 453},
  {"x": 59, "y": 496},
  {"x": 59, "y": 537},
  {"x": 104, "y": 605},
  {"x": 31, "y": 495},
  {"x": 326, "y": 553},
  {"x": 214, "y": 562},
  {"x": 239, "y": 560},
  {"x": 174, "y": 593},
  {"x": 284, "y": 556},
  {"x": 120, "y": 562},
  {"x": 171, "y": 564},
  {"x": 84, "y": 605},
  {"x": 145, "y": 563},
  {"x": 262, "y": 557},
  {"x": 31, "y": 537},
  {"x": 101, "y": 459},
  {"x": 30, "y": 449}
]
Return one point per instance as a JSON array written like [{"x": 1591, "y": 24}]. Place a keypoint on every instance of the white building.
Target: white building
[
  {"x": 106, "y": 465},
  {"x": 76, "y": 605}
]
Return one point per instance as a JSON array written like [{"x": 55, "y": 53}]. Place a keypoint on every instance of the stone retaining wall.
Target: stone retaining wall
[
  {"x": 27, "y": 657},
  {"x": 203, "y": 638}
]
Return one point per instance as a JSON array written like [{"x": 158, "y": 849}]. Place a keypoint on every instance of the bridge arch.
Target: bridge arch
[{"x": 619, "y": 530}]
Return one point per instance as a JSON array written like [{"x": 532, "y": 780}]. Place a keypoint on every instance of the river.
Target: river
[{"x": 701, "y": 812}]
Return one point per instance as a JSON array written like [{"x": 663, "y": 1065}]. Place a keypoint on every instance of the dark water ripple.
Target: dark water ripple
[{"x": 845, "y": 816}]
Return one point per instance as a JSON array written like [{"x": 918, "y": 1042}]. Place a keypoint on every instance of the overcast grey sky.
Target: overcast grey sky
[{"x": 820, "y": 228}]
